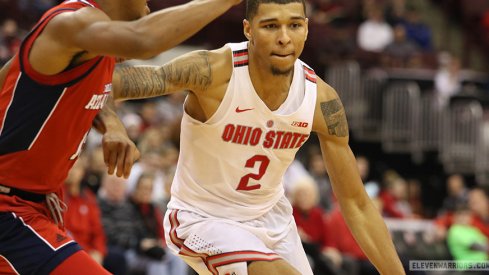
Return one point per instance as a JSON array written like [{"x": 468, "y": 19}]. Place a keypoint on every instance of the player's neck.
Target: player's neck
[{"x": 272, "y": 88}]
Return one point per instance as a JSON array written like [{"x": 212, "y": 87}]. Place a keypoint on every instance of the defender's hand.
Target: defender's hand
[{"x": 119, "y": 152}]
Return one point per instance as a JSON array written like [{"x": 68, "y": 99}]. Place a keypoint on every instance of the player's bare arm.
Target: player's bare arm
[
  {"x": 191, "y": 71},
  {"x": 363, "y": 219},
  {"x": 89, "y": 32},
  {"x": 119, "y": 151},
  {"x": 199, "y": 72},
  {"x": 335, "y": 118}
]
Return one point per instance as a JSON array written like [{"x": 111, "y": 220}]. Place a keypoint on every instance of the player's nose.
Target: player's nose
[{"x": 283, "y": 36}]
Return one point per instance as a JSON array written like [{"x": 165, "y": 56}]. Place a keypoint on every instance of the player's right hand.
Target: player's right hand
[{"x": 119, "y": 153}]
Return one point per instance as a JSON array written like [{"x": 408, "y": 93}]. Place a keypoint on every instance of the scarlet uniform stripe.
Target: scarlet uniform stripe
[
  {"x": 184, "y": 250},
  {"x": 240, "y": 58},
  {"x": 214, "y": 261},
  {"x": 310, "y": 74},
  {"x": 173, "y": 231}
]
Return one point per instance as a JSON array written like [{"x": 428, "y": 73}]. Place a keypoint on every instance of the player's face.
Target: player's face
[
  {"x": 277, "y": 34},
  {"x": 135, "y": 9}
]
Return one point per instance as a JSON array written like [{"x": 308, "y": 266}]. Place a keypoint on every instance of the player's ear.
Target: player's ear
[
  {"x": 307, "y": 28},
  {"x": 247, "y": 29}
]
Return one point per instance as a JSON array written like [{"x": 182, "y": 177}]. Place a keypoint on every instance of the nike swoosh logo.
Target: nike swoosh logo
[{"x": 238, "y": 110}]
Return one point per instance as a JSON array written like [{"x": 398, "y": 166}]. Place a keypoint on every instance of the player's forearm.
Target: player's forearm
[
  {"x": 371, "y": 233},
  {"x": 107, "y": 119},
  {"x": 188, "y": 72},
  {"x": 167, "y": 28}
]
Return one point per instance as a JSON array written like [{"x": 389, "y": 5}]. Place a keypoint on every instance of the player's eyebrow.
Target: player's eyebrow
[{"x": 268, "y": 20}]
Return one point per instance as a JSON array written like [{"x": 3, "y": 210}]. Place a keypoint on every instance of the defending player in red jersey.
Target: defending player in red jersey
[{"x": 51, "y": 92}]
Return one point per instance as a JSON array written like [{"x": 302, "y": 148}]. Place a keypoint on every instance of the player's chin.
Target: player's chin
[{"x": 281, "y": 70}]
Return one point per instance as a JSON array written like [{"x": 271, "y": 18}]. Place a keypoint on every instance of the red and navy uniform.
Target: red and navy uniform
[
  {"x": 43, "y": 123},
  {"x": 44, "y": 119}
]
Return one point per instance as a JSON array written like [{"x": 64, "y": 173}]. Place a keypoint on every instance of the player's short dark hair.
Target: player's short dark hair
[{"x": 252, "y": 5}]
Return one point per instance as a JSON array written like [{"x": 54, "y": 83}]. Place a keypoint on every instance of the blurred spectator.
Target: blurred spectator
[
  {"x": 134, "y": 126},
  {"x": 308, "y": 216},
  {"x": 152, "y": 162},
  {"x": 457, "y": 193},
  {"x": 447, "y": 79},
  {"x": 394, "y": 196},
  {"x": 152, "y": 139},
  {"x": 374, "y": 34},
  {"x": 317, "y": 168},
  {"x": 10, "y": 39},
  {"x": 417, "y": 31},
  {"x": 371, "y": 186},
  {"x": 465, "y": 241},
  {"x": 293, "y": 175},
  {"x": 395, "y": 11},
  {"x": 327, "y": 11},
  {"x": 170, "y": 108},
  {"x": 414, "y": 198},
  {"x": 402, "y": 52},
  {"x": 82, "y": 218},
  {"x": 95, "y": 169},
  {"x": 149, "y": 114},
  {"x": 478, "y": 204},
  {"x": 151, "y": 256},
  {"x": 118, "y": 221},
  {"x": 350, "y": 252},
  {"x": 9, "y": 9},
  {"x": 311, "y": 223}
]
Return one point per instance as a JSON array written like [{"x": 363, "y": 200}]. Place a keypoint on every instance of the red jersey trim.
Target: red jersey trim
[
  {"x": 67, "y": 77},
  {"x": 240, "y": 58},
  {"x": 214, "y": 261},
  {"x": 309, "y": 74}
]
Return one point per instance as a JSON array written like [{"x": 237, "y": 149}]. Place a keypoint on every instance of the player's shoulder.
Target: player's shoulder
[
  {"x": 220, "y": 54},
  {"x": 324, "y": 91},
  {"x": 76, "y": 20},
  {"x": 221, "y": 62}
]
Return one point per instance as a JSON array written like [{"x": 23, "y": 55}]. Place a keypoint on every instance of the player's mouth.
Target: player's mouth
[{"x": 282, "y": 55}]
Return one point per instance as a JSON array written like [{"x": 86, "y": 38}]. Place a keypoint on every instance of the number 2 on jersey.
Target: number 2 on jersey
[{"x": 250, "y": 163}]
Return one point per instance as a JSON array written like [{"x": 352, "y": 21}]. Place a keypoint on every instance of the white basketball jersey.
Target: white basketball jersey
[{"x": 232, "y": 165}]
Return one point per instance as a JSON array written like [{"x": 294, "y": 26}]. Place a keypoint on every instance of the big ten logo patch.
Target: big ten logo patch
[{"x": 300, "y": 124}]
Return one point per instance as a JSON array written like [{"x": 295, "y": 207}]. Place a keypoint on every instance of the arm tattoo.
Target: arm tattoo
[
  {"x": 192, "y": 72},
  {"x": 334, "y": 115}
]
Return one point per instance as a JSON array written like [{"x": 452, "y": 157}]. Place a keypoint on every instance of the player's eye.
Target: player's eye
[
  {"x": 270, "y": 26},
  {"x": 295, "y": 25}
]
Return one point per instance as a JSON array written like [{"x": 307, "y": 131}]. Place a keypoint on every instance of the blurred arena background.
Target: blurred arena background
[{"x": 413, "y": 77}]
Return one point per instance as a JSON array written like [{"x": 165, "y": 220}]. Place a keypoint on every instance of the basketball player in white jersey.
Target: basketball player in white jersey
[{"x": 250, "y": 107}]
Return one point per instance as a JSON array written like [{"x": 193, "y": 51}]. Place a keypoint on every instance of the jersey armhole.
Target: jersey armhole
[{"x": 64, "y": 78}]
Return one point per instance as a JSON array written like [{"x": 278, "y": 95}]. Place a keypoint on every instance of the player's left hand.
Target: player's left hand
[{"x": 120, "y": 153}]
